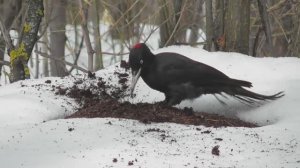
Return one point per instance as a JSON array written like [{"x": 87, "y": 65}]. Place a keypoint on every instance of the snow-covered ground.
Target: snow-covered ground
[{"x": 33, "y": 135}]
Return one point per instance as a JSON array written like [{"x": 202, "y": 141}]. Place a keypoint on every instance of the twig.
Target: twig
[
  {"x": 276, "y": 6},
  {"x": 122, "y": 16},
  {"x": 184, "y": 43},
  {"x": 77, "y": 55},
  {"x": 152, "y": 31},
  {"x": 115, "y": 54},
  {"x": 281, "y": 27},
  {"x": 57, "y": 59}
]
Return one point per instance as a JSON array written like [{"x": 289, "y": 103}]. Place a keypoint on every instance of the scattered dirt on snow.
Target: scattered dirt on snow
[
  {"x": 147, "y": 113},
  {"x": 215, "y": 150},
  {"x": 99, "y": 98},
  {"x": 103, "y": 104}
]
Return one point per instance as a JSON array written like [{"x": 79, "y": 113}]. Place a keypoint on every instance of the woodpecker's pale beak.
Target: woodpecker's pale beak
[{"x": 135, "y": 77}]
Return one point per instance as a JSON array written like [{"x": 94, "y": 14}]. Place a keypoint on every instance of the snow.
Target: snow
[
  {"x": 25, "y": 104},
  {"x": 33, "y": 133}
]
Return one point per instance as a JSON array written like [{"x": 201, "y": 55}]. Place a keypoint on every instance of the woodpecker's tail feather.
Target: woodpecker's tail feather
[{"x": 249, "y": 97}]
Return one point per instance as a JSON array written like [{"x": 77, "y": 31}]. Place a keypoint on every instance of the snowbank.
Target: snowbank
[{"x": 27, "y": 141}]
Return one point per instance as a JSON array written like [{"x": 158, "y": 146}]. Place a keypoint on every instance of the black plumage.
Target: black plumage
[{"x": 180, "y": 78}]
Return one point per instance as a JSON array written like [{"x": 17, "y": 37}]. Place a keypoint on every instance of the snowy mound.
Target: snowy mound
[{"x": 32, "y": 135}]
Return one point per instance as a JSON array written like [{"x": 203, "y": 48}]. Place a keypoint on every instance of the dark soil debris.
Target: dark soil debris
[
  {"x": 130, "y": 163},
  {"x": 215, "y": 150},
  {"x": 61, "y": 91},
  {"x": 122, "y": 75},
  {"x": 91, "y": 75},
  {"x": 70, "y": 129},
  {"x": 163, "y": 137},
  {"x": 124, "y": 64},
  {"x": 218, "y": 139},
  {"x": 123, "y": 80},
  {"x": 48, "y": 81},
  {"x": 206, "y": 132},
  {"x": 146, "y": 113},
  {"x": 155, "y": 130},
  {"x": 77, "y": 82},
  {"x": 101, "y": 83}
]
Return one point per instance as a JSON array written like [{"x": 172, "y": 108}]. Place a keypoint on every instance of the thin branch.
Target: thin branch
[
  {"x": 280, "y": 26},
  {"x": 152, "y": 31},
  {"x": 84, "y": 13},
  {"x": 57, "y": 59},
  {"x": 77, "y": 55},
  {"x": 115, "y": 54},
  {"x": 184, "y": 43},
  {"x": 276, "y": 6},
  {"x": 5, "y": 63},
  {"x": 121, "y": 17},
  {"x": 6, "y": 36}
]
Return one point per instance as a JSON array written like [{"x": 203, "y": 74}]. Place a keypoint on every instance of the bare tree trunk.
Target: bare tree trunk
[
  {"x": 197, "y": 21},
  {"x": 20, "y": 54},
  {"x": 219, "y": 18},
  {"x": 9, "y": 10},
  {"x": 172, "y": 31},
  {"x": 97, "y": 37},
  {"x": 45, "y": 40},
  {"x": 294, "y": 48},
  {"x": 57, "y": 36},
  {"x": 177, "y": 9},
  {"x": 236, "y": 28},
  {"x": 167, "y": 26},
  {"x": 209, "y": 25},
  {"x": 245, "y": 27},
  {"x": 2, "y": 51},
  {"x": 85, "y": 31},
  {"x": 37, "y": 63},
  {"x": 265, "y": 20},
  {"x": 219, "y": 39},
  {"x": 179, "y": 29},
  {"x": 44, "y": 49}
]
